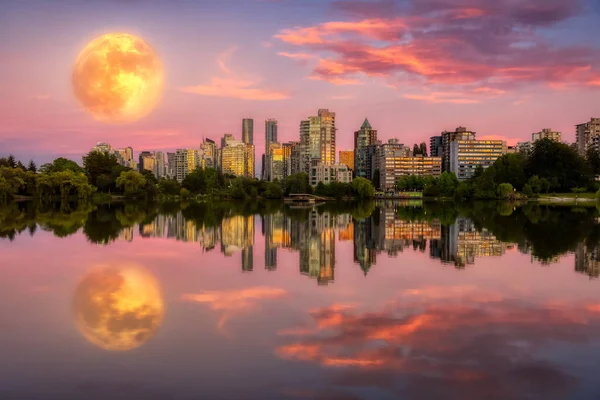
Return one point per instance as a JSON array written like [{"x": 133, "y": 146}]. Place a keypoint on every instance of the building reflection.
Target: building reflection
[
  {"x": 313, "y": 238},
  {"x": 587, "y": 260},
  {"x": 461, "y": 243},
  {"x": 312, "y": 235}
]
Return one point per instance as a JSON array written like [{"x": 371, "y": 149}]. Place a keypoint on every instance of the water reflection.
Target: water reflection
[
  {"x": 350, "y": 301},
  {"x": 454, "y": 234},
  {"x": 118, "y": 307},
  {"x": 479, "y": 343}
]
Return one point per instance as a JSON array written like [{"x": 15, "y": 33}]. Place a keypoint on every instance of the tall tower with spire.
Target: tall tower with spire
[{"x": 363, "y": 138}]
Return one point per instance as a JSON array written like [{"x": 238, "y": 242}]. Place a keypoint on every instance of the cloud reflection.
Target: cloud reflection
[
  {"x": 430, "y": 341},
  {"x": 233, "y": 302}
]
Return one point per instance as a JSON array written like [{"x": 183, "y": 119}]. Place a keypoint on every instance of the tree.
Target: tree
[
  {"x": 377, "y": 179},
  {"x": 510, "y": 168},
  {"x": 416, "y": 150},
  {"x": 150, "y": 177},
  {"x": 184, "y": 193},
  {"x": 12, "y": 181},
  {"x": 169, "y": 187},
  {"x": 211, "y": 176},
  {"x": 98, "y": 165},
  {"x": 423, "y": 149},
  {"x": 32, "y": 167},
  {"x": 11, "y": 162},
  {"x": 593, "y": 159},
  {"x": 447, "y": 183},
  {"x": 535, "y": 183},
  {"x": 527, "y": 190},
  {"x": 195, "y": 181},
  {"x": 464, "y": 191},
  {"x": 131, "y": 181},
  {"x": 64, "y": 184},
  {"x": 505, "y": 191},
  {"x": 563, "y": 167},
  {"x": 320, "y": 189},
  {"x": 273, "y": 191},
  {"x": 61, "y": 164},
  {"x": 21, "y": 166},
  {"x": 297, "y": 183},
  {"x": 363, "y": 188},
  {"x": 220, "y": 179},
  {"x": 236, "y": 190}
]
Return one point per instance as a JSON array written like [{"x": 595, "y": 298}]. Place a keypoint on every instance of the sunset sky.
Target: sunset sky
[{"x": 503, "y": 68}]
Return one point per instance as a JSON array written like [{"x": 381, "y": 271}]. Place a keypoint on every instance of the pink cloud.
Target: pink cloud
[
  {"x": 232, "y": 85},
  {"x": 296, "y": 56},
  {"x": 438, "y": 97},
  {"x": 479, "y": 46}
]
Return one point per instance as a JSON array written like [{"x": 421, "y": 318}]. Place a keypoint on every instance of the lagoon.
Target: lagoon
[{"x": 378, "y": 300}]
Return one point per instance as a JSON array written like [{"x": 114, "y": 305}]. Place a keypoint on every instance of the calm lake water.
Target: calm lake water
[{"x": 260, "y": 301}]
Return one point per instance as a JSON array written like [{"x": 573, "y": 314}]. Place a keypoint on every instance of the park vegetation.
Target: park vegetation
[
  {"x": 551, "y": 167},
  {"x": 102, "y": 174}
]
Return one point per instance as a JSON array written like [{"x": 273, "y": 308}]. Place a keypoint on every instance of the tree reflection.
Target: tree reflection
[{"x": 543, "y": 231}]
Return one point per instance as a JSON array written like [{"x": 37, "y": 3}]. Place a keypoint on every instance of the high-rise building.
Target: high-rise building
[
  {"x": 461, "y": 133},
  {"x": 295, "y": 158},
  {"x": 527, "y": 147},
  {"x": 249, "y": 162},
  {"x": 305, "y": 145},
  {"x": 287, "y": 149},
  {"x": 317, "y": 138},
  {"x": 159, "y": 166},
  {"x": 226, "y": 139},
  {"x": 436, "y": 148},
  {"x": 276, "y": 163},
  {"x": 233, "y": 158},
  {"x": 181, "y": 164},
  {"x": 585, "y": 134},
  {"x": 388, "y": 161},
  {"x": 102, "y": 147},
  {"x": 208, "y": 154},
  {"x": 524, "y": 148},
  {"x": 546, "y": 134},
  {"x": 467, "y": 155},
  {"x": 363, "y": 138},
  {"x": 328, "y": 173},
  {"x": 420, "y": 166},
  {"x": 248, "y": 131},
  {"x": 347, "y": 158},
  {"x": 192, "y": 159},
  {"x": 171, "y": 164},
  {"x": 125, "y": 157},
  {"x": 270, "y": 137},
  {"x": 328, "y": 133},
  {"x": 147, "y": 161},
  {"x": 371, "y": 159}
]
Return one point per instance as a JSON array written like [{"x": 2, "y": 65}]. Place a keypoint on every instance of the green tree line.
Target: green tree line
[
  {"x": 101, "y": 172},
  {"x": 551, "y": 167}
]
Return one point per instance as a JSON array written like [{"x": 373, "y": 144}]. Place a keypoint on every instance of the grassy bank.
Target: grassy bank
[{"x": 568, "y": 199}]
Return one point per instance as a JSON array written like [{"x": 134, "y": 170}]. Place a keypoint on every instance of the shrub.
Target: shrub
[
  {"x": 505, "y": 191},
  {"x": 527, "y": 190}
]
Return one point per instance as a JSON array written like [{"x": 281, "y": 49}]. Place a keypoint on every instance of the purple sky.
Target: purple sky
[{"x": 504, "y": 68}]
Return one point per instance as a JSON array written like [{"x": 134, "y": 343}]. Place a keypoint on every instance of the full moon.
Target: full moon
[
  {"x": 118, "y": 308},
  {"x": 118, "y": 78}
]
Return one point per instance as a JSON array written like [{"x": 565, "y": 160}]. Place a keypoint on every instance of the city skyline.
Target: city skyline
[{"x": 540, "y": 70}]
